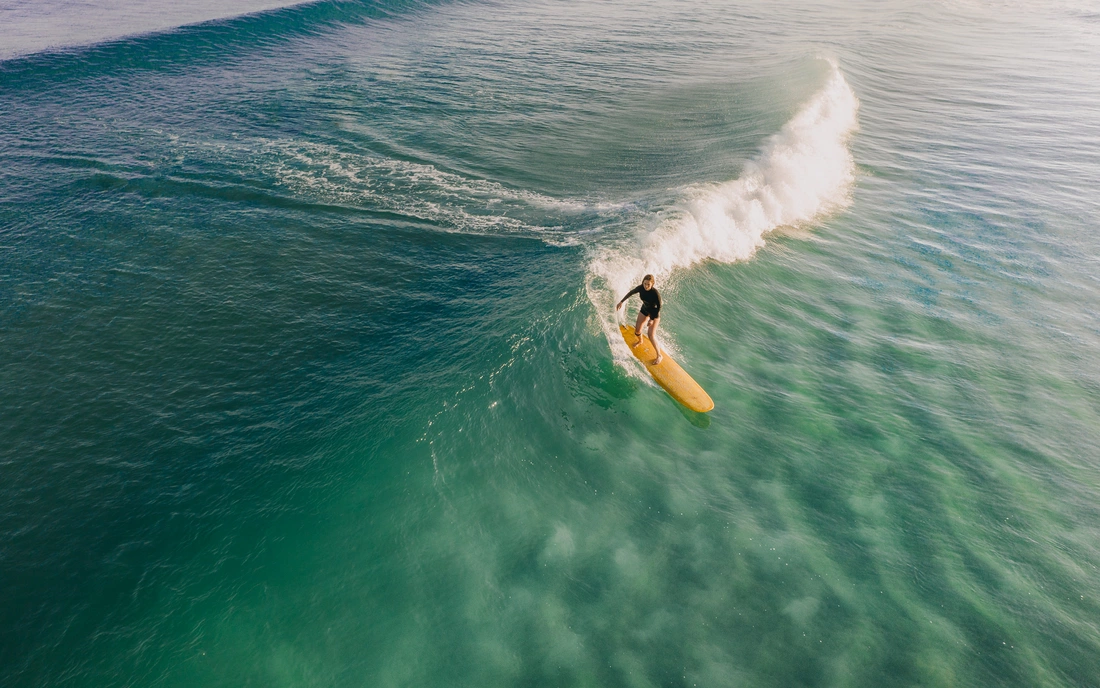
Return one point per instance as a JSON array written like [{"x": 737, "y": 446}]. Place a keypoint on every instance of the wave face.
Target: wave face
[
  {"x": 803, "y": 172},
  {"x": 29, "y": 27}
]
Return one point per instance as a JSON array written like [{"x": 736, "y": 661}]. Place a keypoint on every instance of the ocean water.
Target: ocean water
[{"x": 309, "y": 373}]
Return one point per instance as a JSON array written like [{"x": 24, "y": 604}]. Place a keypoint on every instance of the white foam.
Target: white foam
[
  {"x": 803, "y": 172},
  {"x": 451, "y": 201}
]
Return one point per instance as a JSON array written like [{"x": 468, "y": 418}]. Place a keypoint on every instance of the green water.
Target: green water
[{"x": 309, "y": 376}]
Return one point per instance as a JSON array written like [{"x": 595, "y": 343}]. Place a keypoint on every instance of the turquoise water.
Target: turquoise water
[{"x": 309, "y": 373}]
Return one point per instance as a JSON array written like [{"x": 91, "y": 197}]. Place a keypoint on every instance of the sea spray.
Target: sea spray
[{"x": 802, "y": 172}]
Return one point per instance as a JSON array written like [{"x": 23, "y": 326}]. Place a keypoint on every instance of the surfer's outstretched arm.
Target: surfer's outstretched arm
[{"x": 630, "y": 293}]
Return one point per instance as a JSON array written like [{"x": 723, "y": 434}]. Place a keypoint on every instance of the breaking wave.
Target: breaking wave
[{"x": 802, "y": 173}]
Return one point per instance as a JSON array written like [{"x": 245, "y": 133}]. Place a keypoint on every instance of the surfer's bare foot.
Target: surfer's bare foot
[{"x": 657, "y": 360}]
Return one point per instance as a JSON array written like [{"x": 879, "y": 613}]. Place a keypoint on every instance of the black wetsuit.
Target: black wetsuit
[{"x": 651, "y": 301}]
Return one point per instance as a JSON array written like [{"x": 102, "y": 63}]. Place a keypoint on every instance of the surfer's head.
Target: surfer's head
[{"x": 648, "y": 281}]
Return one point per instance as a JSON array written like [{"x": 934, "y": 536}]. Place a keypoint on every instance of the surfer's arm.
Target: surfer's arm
[{"x": 630, "y": 293}]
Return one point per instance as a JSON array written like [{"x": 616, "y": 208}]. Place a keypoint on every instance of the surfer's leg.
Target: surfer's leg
[
  {"x": 638, "y": 325},
  {"x": 653, "y": 338}
]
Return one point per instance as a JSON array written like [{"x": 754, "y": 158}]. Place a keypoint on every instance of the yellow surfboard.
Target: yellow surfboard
[{"x": 668, "y": 373}]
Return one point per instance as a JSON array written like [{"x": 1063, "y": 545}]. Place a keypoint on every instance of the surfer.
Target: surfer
[{"x": 651, "y": 311}]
